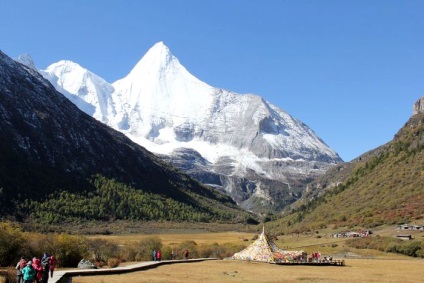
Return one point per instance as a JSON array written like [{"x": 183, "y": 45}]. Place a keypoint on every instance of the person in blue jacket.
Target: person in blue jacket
[{"x": 28, "y": 273}]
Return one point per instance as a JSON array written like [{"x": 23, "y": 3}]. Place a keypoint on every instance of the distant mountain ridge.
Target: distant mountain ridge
[
  {"x": 382, "y": 186},
  {"x": 249, "y": 148},
  {"x": 48, "y": 145}
]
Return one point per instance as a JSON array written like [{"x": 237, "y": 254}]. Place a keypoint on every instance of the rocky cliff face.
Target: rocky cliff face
[{"x": 418, "y": 106}]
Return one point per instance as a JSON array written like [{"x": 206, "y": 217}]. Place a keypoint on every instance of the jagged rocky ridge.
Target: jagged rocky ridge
[{"x": 240, "y": 144}]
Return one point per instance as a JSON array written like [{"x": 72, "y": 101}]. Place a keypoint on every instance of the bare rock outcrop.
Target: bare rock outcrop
[{"x": 418, "y": 106}]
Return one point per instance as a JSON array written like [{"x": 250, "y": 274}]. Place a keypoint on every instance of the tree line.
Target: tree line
[{"x": 111, "y": 200}]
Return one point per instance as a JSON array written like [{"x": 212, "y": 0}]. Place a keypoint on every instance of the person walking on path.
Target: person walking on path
[
  {"x": 36, "y": 264},
  {"x": 52, "y": 265},
  {"x": 158, "y": 255},
  {"x": 29, "y": 273},
  {"x": 186, "y": 254},
  {"x": 19, "y": 266},
  {"x": 46, "y": 270},
  {"x": 154, "y": 255}
]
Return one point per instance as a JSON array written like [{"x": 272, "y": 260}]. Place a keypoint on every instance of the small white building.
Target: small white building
[{"x": 410, "y": 227}]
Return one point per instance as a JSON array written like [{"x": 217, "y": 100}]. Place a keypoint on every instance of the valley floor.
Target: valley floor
[
  {"x": 223, "y": 271},
  {"x": 362, "y": 265}
]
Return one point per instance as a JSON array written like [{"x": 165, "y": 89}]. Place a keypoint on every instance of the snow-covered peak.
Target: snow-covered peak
[
  {"x": 159, "y": 63},
  {"x": 159, "y": 54},
  {"x": 26, "y": 59},
  {"x": 162, "y": 92},
  {"x": 158, "y": 59},
  {"x": 69, "y": 75},
  {"x": 73, "y": 77},
  {"x": 88, "y": 91}
]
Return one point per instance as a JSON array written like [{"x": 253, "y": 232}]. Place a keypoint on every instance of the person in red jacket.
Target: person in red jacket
[
  {"x": 52, "y": 263},
  {"x": 158, "y": 255},
  {"x": 38, "y": 268},
  {"x": 186, "y": 254}
]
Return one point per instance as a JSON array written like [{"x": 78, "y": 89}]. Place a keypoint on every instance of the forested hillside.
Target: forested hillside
[
  {"x": 384, "y": 186},
  {"x": 111, "y": 200}
]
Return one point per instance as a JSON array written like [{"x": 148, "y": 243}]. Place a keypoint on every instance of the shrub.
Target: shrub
[
  {"x": 8, "y": 275},
  {"x": 230, "y": 249},
  {"x": 388, "y": 244},
  {"x": 113, "y": 262},
  {"x": 166, "y": 252},
  {"x": 143, "y": 250},
  {"x": 148, "y": 245},
  {"x": 129, "y": 252},
  {"x": 102, "y": 250},
  {"x": 420, "y": 253},
  {"x": 11, "y": 244},
  {"x": 69, "y": 250},
  {"x": 214, "y": 250},
  {"x": 411, "y": 248},
  {"x": 37, "y": 244}
]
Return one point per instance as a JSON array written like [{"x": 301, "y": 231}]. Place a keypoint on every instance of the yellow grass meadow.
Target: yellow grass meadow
[{"x": 223, "y": 271}]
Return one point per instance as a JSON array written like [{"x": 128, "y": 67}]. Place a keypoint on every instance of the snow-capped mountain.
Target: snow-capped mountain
[{"x": 241, "y": 144}]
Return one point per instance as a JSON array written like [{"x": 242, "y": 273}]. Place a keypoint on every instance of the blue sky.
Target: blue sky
[{"x": 350, "y": 70}]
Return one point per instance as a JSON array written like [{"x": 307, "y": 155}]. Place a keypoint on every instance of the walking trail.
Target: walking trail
[{"x": 65, "y": 276}]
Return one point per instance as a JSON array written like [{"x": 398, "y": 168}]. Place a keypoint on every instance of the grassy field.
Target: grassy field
[
  {"x": 361, "y": 265},
  {"x": 356, "y": 270}
]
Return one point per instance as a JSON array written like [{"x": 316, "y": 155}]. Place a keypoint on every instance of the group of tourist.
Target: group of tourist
[
  {"x": 36, "y": 270},
  {"x": 157, "y": 255},
  {"x": 315, "y": 257}
]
